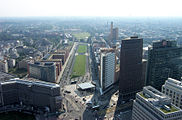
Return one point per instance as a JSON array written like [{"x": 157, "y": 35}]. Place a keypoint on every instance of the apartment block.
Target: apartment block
[{"x": 43, "y": 71}]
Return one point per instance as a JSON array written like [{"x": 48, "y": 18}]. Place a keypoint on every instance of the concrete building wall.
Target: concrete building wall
[
  {"x": 107, "y": 69},
  {"x": 36, "y": 94},
  {"x": 149, "y": 105},
  {"x": 4, "y": 66},
  {"x": 23, "y": 64},
  {"x": 43, "y": 71},
  {"x": 173, "y": 89},
  {"x": 11, "y": 63}
]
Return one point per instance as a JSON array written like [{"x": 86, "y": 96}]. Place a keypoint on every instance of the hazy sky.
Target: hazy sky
[{"x": 90, "y": 8}]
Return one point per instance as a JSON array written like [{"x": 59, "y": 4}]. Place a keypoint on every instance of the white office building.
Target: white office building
[
  {"x": 150, "y": 104},
  {"x": 173, "y": 89},
  {"x": 107, "y": 69}
]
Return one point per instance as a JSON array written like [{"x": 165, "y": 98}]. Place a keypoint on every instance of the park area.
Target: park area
[
  {"x": 82, "y": 49},
  {"x": 82, "y": 35},
  {"x": 79, "y": 66}
]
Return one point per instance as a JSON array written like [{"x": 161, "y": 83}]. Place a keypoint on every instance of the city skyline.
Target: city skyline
[
  {"x": 85, "y": 68},
  {"x": 21, "y": 8}
]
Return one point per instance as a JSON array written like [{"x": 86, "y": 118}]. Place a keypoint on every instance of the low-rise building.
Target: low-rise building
[
  {"x": 32, "y": 95},
  {"x": 43, "y": 71},
  {"x": 23, "y": 64},
  {"x": 150, "y": 104},
  {"x": 11, "y": 63},
  {"x": 5, "y": 76},
  {"x": 4, "y": 66}
]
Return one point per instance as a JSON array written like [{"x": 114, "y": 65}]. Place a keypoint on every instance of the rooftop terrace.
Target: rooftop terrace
[{"x": 158, "y": 100}]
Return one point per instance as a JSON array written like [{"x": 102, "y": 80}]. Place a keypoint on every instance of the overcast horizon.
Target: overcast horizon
[{"x": 116, "y": 8}]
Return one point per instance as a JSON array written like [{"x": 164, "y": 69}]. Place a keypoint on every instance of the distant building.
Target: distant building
[
  {"x": 107, "y": 67},
  {"x": 150, "y": 104},
  {"x": 57, "y": 55},
  {"x": 144, "y": 70},
  {"x": 58, "y": 63},
  {"x": 11, "y": 63},
  {"x": 30, "y": 96},
  {"x": 5, "y": 76},
  {"x": 43, "y": 71},
  {"x": 173, "y": 89},
  {"x": 113, "y": 34},
  {"x": 145, "y": 52},
  {"x": 4, "y": 66},
  {"x": 23, "y": 64},
  {"x": 13, "y": 53},
  {"x": 130, "y": 68},
  {"x": 163, "y": 61}
]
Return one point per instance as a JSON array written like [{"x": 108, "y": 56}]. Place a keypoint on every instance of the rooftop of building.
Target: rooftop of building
[
  {"x": 31, "y": 82},
  {"x": 132, "y": 37},
  {"x": 173, "y": 82},
  {"x": 158, "y": 100},
  {"x": 59, "y": 52},
  {"x": 163, "y": 44},
  {"x": 5, "y": 76},
  {"x": 107, "y": 49},
  {"x": 38, "y": 63},
  {"x": 46, "y": 56},
  {"x": 50, "y": 56},
  {"x": 86, "y": 85},
  {"x": 51, "y": 60}
]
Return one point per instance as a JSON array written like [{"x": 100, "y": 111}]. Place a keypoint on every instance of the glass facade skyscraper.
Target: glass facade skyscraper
[
  {"x": 161, "y": 65},
  {"x": 130, "y": 68}
]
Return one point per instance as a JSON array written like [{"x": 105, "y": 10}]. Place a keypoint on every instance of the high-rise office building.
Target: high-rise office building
[
  {"x": 130, "y": 68},
  {"x": 107, "y": 67},
  {"x": 111, "y": 29},
  {"x": 43, "y": 71},
  {"x": 150, "y": 104},
  {"x": 163, "y": 61},
  {"x": 113, "y": 34},
  {"x": 173, "y": 89}
]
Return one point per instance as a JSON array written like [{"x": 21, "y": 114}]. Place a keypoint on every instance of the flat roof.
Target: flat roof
[
  {"x": 28, "y": 82},
  {"x": 86, "y": 85}
]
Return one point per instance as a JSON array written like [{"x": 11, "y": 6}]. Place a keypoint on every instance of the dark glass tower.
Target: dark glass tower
[
  {"x": 163, "y": 61},
  {"x": 130, "y": 68}
]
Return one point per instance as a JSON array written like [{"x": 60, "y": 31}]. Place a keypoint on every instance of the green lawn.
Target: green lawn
[
  {"x": 79, "y": 66},
  {"x": 82, "y": 49},
  {"x": 16, "y": 116},
  {"x": 82, "y": 35},
  {"x": 172, "y": 109}
]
